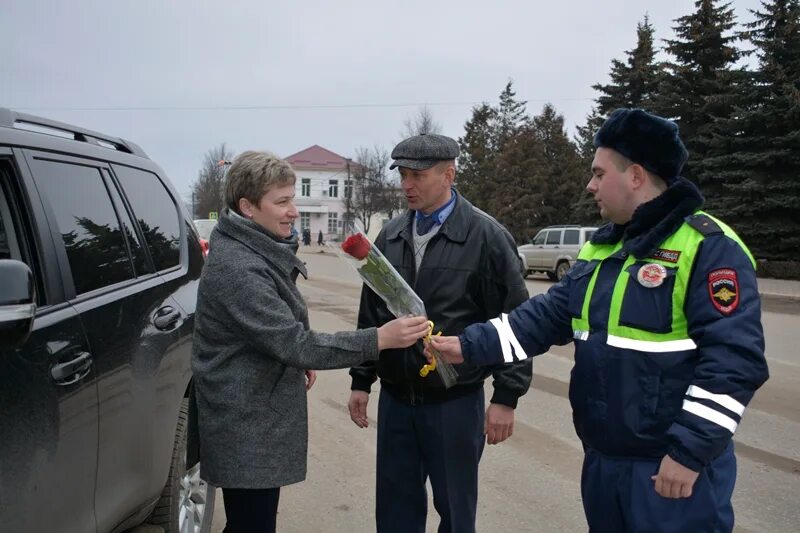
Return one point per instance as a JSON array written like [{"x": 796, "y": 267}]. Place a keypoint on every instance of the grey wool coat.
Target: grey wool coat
[{"x": 252, "y": 343}]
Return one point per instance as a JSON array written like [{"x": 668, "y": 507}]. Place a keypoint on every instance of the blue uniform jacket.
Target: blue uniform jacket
[{"x": 628, "y": 403}]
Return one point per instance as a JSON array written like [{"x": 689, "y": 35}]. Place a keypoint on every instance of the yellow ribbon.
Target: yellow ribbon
[{"x": 425, "y": 370}]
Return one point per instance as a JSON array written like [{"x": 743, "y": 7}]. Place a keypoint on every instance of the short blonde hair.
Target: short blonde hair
[{"x": 252, "y": 174}]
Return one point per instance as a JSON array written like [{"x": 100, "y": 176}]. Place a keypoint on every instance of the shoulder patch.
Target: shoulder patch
[
  {"x": 704, "y": 224},
  {"x": 723, "y": 289}
]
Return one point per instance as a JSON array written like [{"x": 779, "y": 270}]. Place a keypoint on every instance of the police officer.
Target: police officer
[
  {"x": 464, "y": 266},
  {"x": 664, "y": 311}
]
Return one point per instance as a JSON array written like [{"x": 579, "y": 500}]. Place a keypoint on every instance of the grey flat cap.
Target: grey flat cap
[{"x": 421, "y": 152}]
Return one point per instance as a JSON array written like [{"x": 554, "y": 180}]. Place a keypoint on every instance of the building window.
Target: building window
[
  {"x": 333, "y": 222},
  {"x": 333, "y": 188},
  {"x": 305, "y": 220},
  {"x": 305, "y": 187},
  {"x": 348, "y": 188}
]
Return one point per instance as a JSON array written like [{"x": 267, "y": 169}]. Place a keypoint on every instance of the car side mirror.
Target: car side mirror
[{"x": 17, "y": 303}]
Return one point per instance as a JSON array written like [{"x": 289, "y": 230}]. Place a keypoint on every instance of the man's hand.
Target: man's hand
[
  {"x": 311, "y": 378},
  {"x": 358, "y": 407},
  {"x": 499, "y": 423},
  {"x": 673, "y": 479},
  {"x": 448, "y": 347}
]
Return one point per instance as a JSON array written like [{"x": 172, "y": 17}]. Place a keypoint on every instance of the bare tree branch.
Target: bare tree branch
[
  {"x": 209, "y": 188},
  {"x": 421, "y": 122}
]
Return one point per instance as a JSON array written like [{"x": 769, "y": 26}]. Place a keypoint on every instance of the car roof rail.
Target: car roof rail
[
  {"x": 563, "y": 226},
  {"x": 24, "y": 121}
]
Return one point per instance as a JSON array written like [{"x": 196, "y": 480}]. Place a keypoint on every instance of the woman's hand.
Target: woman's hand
[
  {"x": 311, "y": 377},
  {"x": 402, "y": 332}
]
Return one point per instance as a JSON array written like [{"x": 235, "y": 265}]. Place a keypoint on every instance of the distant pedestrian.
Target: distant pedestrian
[
  {"x": 320, "y": 240},
  {"x": 307, "y": 237}
]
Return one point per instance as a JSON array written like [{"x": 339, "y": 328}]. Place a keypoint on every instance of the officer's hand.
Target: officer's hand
[
  {"x": 673, "y": 479},
  {"x": 358, "y": 407},
  {"x": 499, "y": 423},
  {"x": 448, "y": 347}
]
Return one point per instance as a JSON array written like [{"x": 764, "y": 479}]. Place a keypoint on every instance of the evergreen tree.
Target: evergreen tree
[
  {"x": 634, "y": 82},
  {"x": 476, "y": 160},
  {"x": 488, "y": 134},
  {"x": 699, "y": 86},
  {"x": 509, "y": 118},
  {"x": 565, "y": 174},
  {"x": 542, "y": 174},
  {"x": 754, "y": 158}
]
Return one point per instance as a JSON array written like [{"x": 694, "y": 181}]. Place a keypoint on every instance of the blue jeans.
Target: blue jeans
[
  {"x": 441, "y": 441},
  {"x": 619, "y": 496}
]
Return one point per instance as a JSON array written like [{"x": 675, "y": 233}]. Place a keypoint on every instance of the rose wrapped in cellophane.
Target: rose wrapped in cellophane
[{"x": 400, "y": 298}]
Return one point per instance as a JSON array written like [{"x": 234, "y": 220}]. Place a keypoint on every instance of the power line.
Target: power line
[{"x": 276, "y": 107}]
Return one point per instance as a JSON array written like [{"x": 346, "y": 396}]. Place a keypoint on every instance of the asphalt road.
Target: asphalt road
[{"x": 529, "y": 483}]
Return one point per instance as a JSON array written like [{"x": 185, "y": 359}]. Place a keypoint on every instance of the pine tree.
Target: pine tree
[
  {"x": 476, "y": 161},
  {"x": 699, "y": 86},
  {"x": 489, "y": 133},
  {"x": 634, "y": 83},
  {"x": 754, "y": 157}
]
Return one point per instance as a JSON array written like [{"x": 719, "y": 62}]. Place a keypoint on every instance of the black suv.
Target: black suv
[{"x": 99, "y": 265}]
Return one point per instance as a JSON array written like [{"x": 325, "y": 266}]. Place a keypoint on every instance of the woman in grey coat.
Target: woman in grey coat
[{"x": 253, "y": 349}]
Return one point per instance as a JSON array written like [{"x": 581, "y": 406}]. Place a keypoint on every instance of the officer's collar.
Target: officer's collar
[{"x": 653, "y": 221}]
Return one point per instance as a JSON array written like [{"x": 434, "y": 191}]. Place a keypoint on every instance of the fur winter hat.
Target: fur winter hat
[{"x": 646, "y": 139}]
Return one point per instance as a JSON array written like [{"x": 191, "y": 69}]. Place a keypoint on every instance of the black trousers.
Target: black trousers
[
  {"x": 250, "y": 510},
  {"x": 442, "y": 442}
]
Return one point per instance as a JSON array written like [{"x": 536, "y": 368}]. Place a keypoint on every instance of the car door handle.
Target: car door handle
[
  {"x": 72, "y": 371},
  {"x": 166, "y": 317}
]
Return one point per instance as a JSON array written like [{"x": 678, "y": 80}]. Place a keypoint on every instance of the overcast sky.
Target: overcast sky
[{"x": 170, "y": 75}]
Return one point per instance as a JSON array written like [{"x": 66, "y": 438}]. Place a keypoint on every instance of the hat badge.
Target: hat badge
[{"x": 651, "y": 275}]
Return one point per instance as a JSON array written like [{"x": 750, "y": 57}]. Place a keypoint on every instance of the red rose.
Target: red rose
[{"x": 356, "y": 245}]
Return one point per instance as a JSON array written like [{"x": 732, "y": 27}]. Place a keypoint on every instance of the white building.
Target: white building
[{"x": 322, "y": 176}]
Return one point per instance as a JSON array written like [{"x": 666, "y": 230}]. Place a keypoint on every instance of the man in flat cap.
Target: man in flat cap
[
  {"x": 663, "y": 308},
  {"x": 464, "y": 265}
]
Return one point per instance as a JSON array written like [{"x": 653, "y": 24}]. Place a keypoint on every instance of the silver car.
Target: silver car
[{"x": 553, "y": 250}]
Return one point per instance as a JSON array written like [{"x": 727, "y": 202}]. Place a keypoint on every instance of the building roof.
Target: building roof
[{"x": 317, "y": 158}]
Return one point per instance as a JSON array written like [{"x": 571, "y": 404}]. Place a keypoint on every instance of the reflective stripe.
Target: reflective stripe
[
  {"x": 709, "y": 414},
  {"x": 507, "y": 339},
  {"x": 651, "y": 346},
  {"x": 580, "y": 335},
  {"x": 722, "y": 399}
]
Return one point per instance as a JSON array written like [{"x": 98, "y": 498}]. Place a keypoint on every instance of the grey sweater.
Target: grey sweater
[{"x": 252, "y": 343}]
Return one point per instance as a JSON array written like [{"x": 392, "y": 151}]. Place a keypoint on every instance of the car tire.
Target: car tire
[
  {"x": 551, "y": 275},
  {"x": 187, "y": 502},
  {"x": 561, "y": 270}
]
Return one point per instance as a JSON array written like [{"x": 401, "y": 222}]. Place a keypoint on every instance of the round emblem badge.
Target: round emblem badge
[{"x": 651, "y": 275}]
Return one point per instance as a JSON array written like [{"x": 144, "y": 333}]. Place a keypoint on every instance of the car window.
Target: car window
[
  {"x": 156, "y": 212},
  {"x": 85, "y": 218},
  {"x": 7, "y": 238},
  {"x": 554, "y": 237},
  {"x": 140, "y": 263},
  {"x": 571, "y": 236},
  {"x": 540, "y": 238},
  {"x": 589, "y": 233}
]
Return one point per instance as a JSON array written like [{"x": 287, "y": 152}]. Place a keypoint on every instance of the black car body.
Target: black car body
[{"x": 95, "y": 354}]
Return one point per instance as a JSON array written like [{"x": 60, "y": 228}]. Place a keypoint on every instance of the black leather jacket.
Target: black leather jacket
[{"x": 470, "y": 273}]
